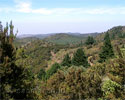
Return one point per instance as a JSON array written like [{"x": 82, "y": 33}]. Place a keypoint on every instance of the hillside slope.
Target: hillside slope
[
  {"x": 115, "y": 32},
  {"x": 69, "y": 38},
  {"x": 42, "y": 54},
  {"x": 63, "y": 38}
]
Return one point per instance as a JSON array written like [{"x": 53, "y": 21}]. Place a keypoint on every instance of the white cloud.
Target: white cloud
[
  {"x": 43, "y": 11},
  {"x": 117, "y": 10},
  {"x": 26, "y": 7},
  {"x": 23, "y": 7}
]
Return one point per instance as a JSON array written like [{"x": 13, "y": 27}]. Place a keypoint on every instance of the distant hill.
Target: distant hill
[
  {"x": 40, "y": 36},
  {"x": 68, "y": 38},
  {"x": 63, "y": 38},
  {"x": 22, "y": 41},
  {"x": 57, "y": 38},
  {"x": 84, "y": 34},
  {"x": 115, "y": 33},
  {"x": 71, "y": 38}
]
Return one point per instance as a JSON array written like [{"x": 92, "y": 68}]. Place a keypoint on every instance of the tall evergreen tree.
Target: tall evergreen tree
[
  {"x": 41, "y": 75},
  {"x": 80, "y": 59},
  {"x": 90, "y": 40},
  {"x": 15, "y": 80},
  {"x": 107, "y": 49},
  {"x": 54, "y": 68},
  {"x": 66, "y": 61}
]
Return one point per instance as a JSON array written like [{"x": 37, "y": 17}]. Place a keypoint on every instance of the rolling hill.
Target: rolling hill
[
  {"x": 115, "y": 33},
  {"x": 58, "y": 38},
  {"x": 63, "y": 38},
  {"x": 22, "y": 41},
  {"x": 68, "y": 38}
]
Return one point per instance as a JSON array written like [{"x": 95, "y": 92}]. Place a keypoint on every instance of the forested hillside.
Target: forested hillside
[
  {"x": 115, "y": 33},
  {"x": 68, "y": 38},
  {"x": 23, "y": 41},
  {"x": 61, "y": 67}
]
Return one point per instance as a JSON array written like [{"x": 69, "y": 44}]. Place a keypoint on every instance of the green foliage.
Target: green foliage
[
  {"x": 116, "y": 69},
  {"x": 15, "y": 80},
  {"x": 90, "y": 40},
  {"x": 41, "y": 75},
  {"x": 79, "y": 58},
  {"x": 54, "y": 68},
  {"x": 117, "y": 32},
  {"x": 66, "y": 61},
  {"x": 101, "y": 81},
  {"x": 74, "y": 83},
  {"x": 93, "y": 81},
  {"x": 110, "y": 89},
  {"x": 18, "y": 42},
  {"x": 107, "y": 50},
  {"x": 20, "y": 53},
  {"x": 77, "y": 83},
  {"x": 38, "y": 53}
]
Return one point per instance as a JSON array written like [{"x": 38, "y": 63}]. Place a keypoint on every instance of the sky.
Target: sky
[{"x": 57, "y": 16}]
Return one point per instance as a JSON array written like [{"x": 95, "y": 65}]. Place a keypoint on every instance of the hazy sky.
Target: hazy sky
[{"x": 49, "y": 16}]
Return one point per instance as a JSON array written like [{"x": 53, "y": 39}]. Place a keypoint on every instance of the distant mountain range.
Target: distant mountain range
[
  {"x": 42, "y": 36},
  {"x": 57, "y": 38}
]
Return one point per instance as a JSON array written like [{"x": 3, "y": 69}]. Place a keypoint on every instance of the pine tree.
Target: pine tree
[
  {"x": 90, "y": 40},
  {"x": 80, "y": 59},
  {"x": 66, "y": 61},
  {"x": 54, "y": 68},
  {"x": 15, "y": 80},
  {"x": 41, "y": 74},
  {"x": 107, "y": 49}
]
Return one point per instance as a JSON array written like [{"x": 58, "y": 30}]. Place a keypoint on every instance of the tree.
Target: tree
[
  {"x": 79, "y": 58},
  {"x": 42, "y": 74},
  {"x": 15, "y": 80},
  {"x": 107, "y": 49},
  {"x": 66, "y": 61},
  {"x": 90, "y": 40},
  {"x": 54, "y": 68}
]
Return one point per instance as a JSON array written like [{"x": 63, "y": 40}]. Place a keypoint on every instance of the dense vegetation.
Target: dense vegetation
[
  {"x": 90, "y": 40},
  {"x": 48, "y": 71},
  {"x": 16, "y": 81},
  {"x": 22, "y": 41}
]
